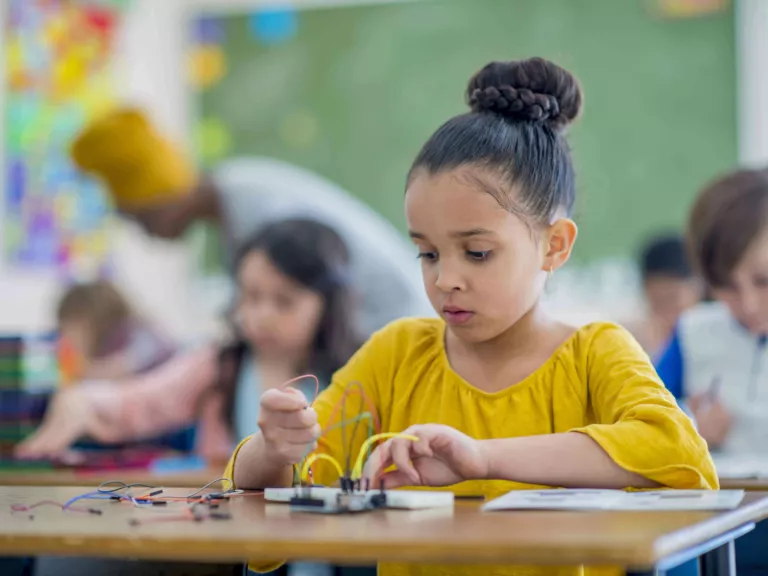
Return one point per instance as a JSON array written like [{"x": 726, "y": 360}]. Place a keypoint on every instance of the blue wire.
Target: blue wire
[{"x": 91, "y": 496}]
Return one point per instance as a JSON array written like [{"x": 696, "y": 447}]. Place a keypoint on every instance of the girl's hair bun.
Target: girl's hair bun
[{"x": 532, "y": 90}]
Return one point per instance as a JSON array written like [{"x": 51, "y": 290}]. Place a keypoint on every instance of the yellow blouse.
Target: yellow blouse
[{"x": 599, "y": 382}]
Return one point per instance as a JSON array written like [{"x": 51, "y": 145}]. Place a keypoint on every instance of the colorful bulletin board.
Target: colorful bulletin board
[
  {"x": 57, "y": 76},
  {"x": 352, "y": 92}
]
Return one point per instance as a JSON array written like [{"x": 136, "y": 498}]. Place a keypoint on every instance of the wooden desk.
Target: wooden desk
[
  {"x": 639, "y": 541},
  {"x": 191, "y": 479},
  {"x": 754, "y": 484}
]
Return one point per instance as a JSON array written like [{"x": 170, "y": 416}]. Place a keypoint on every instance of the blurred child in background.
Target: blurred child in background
[
  {"x": 670, "y": 288},
  {"x": 105, "y": 336},
  {"x": 716, "y": 360},
  {"x": 295, "y": 315},
  {"x": 151, "y": 183}
]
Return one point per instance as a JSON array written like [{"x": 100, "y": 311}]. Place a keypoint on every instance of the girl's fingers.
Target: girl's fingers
[
  {"x": 394, "y": 479},
  {"x": 288, "y": 400},
  {"x": 301, "y": 437},
  {"x": 379, "y": 460},
  {"x": 422, "y": 448},
  {"x": 401, "y": 457},
  {"x": 299, "y": 419}
]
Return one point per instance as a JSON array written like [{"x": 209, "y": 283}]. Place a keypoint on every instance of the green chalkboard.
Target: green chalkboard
[{"x": 352, "y": 92}]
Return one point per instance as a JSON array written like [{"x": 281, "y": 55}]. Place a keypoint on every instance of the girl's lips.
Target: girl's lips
[{"x": 457, "y": 316}]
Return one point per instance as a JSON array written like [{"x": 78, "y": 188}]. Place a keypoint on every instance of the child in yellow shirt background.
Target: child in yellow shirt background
[{"x": 499, "y": 395}]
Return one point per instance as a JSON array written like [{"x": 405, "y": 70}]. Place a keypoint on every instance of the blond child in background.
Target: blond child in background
[
  {"x": 499, "y": 395},
  {"x": 108, "y": 339}
]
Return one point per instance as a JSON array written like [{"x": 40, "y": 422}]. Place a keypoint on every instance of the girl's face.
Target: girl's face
[
  {"x": 747, "y": 294},
  {"x": 278, "y": 316},
  {"x": 483, "y": 267}
]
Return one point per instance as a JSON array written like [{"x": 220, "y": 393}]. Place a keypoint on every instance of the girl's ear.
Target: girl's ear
[{"x": 559, "y": 240}]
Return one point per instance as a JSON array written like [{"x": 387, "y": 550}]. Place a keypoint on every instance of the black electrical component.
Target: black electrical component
[
  {"x": 350, "y": 500},
  {"x": 304, "y": 502},
  {"x": 346, "y": 484}
]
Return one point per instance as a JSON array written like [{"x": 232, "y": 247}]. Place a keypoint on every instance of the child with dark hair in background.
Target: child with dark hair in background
[
  {"x": 497, "y": 394},
  {"x": 670, "y": 288},
  {"x": 108, "y": 338},
  {"x": 293, "y": 316}
]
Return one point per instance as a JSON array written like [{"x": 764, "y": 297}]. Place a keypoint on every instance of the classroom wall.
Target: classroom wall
[
  {"x": 752, "y": 77},
  {"x": 160, "y": 277},
  {"x": 150, "y": 66},
  {"x": 155, "y": 274}
]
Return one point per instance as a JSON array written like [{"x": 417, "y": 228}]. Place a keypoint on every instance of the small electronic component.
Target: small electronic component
[
  {"x": 349, "y": 500},
  {"x": 324, "y": 500}
]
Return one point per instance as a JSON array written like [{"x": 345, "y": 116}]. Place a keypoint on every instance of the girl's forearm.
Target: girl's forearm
[
  {"x": 253, "y": 471},
  {"x": 568, "y": 460}
]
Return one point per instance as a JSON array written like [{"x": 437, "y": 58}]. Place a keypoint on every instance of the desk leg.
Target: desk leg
[{"x": 719, "y": 562}]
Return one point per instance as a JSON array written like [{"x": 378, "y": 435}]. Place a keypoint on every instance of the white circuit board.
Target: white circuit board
[{"x": 399, "y": 499}]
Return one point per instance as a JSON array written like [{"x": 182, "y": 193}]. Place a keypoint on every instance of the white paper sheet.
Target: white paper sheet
[
  {"x": 617, "y": 500},
  {"x": 741, "y": 467}
]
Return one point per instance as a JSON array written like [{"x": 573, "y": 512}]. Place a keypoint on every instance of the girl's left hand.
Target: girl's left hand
[{"x": 442, "y": 456}]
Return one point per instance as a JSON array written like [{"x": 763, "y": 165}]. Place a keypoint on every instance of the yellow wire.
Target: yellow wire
[
  {"x": 357, "y": 471},
  {"x": 312, "y": 458}
]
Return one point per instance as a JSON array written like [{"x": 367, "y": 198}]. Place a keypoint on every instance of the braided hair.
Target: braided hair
[{"x": 516, "y": 128}]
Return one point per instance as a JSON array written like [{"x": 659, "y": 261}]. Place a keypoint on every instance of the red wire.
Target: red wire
[
  {"x": 25, "y": 508},
  {"x": 304, "y": 377},
  {"x": 317, "y": 391},
  {"x": 371, "y": 407}
]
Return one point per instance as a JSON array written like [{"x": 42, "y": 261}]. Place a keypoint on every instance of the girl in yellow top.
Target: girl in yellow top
[{"x": 500, "y": 395}]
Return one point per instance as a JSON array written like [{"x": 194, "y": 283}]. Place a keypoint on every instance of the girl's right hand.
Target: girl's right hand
[{"x": 288, "y": 426}]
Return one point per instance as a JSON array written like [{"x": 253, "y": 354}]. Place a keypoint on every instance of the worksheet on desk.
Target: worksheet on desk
[
  {"x": 617, "y": 500},
  {"x": 741, "y": 467}
]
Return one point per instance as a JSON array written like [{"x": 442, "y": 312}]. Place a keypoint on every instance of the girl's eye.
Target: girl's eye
[
  {"x": 429, "y": 256},
  {"x": 478, "y": 255}
]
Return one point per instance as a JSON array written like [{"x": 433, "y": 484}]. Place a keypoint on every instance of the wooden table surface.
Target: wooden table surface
[
  {"x": 188, "y": 479},
  {"x": 461, "y": 534},
  {"x": 755, "y": 484}
]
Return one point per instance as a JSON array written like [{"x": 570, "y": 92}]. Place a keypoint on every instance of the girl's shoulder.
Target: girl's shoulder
[
  {"x": 409, "y": 333},
  {"x": 422, "y": 335},
  {"x": 599, "y": 342},
  {"x": 400, "y": 342}
]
